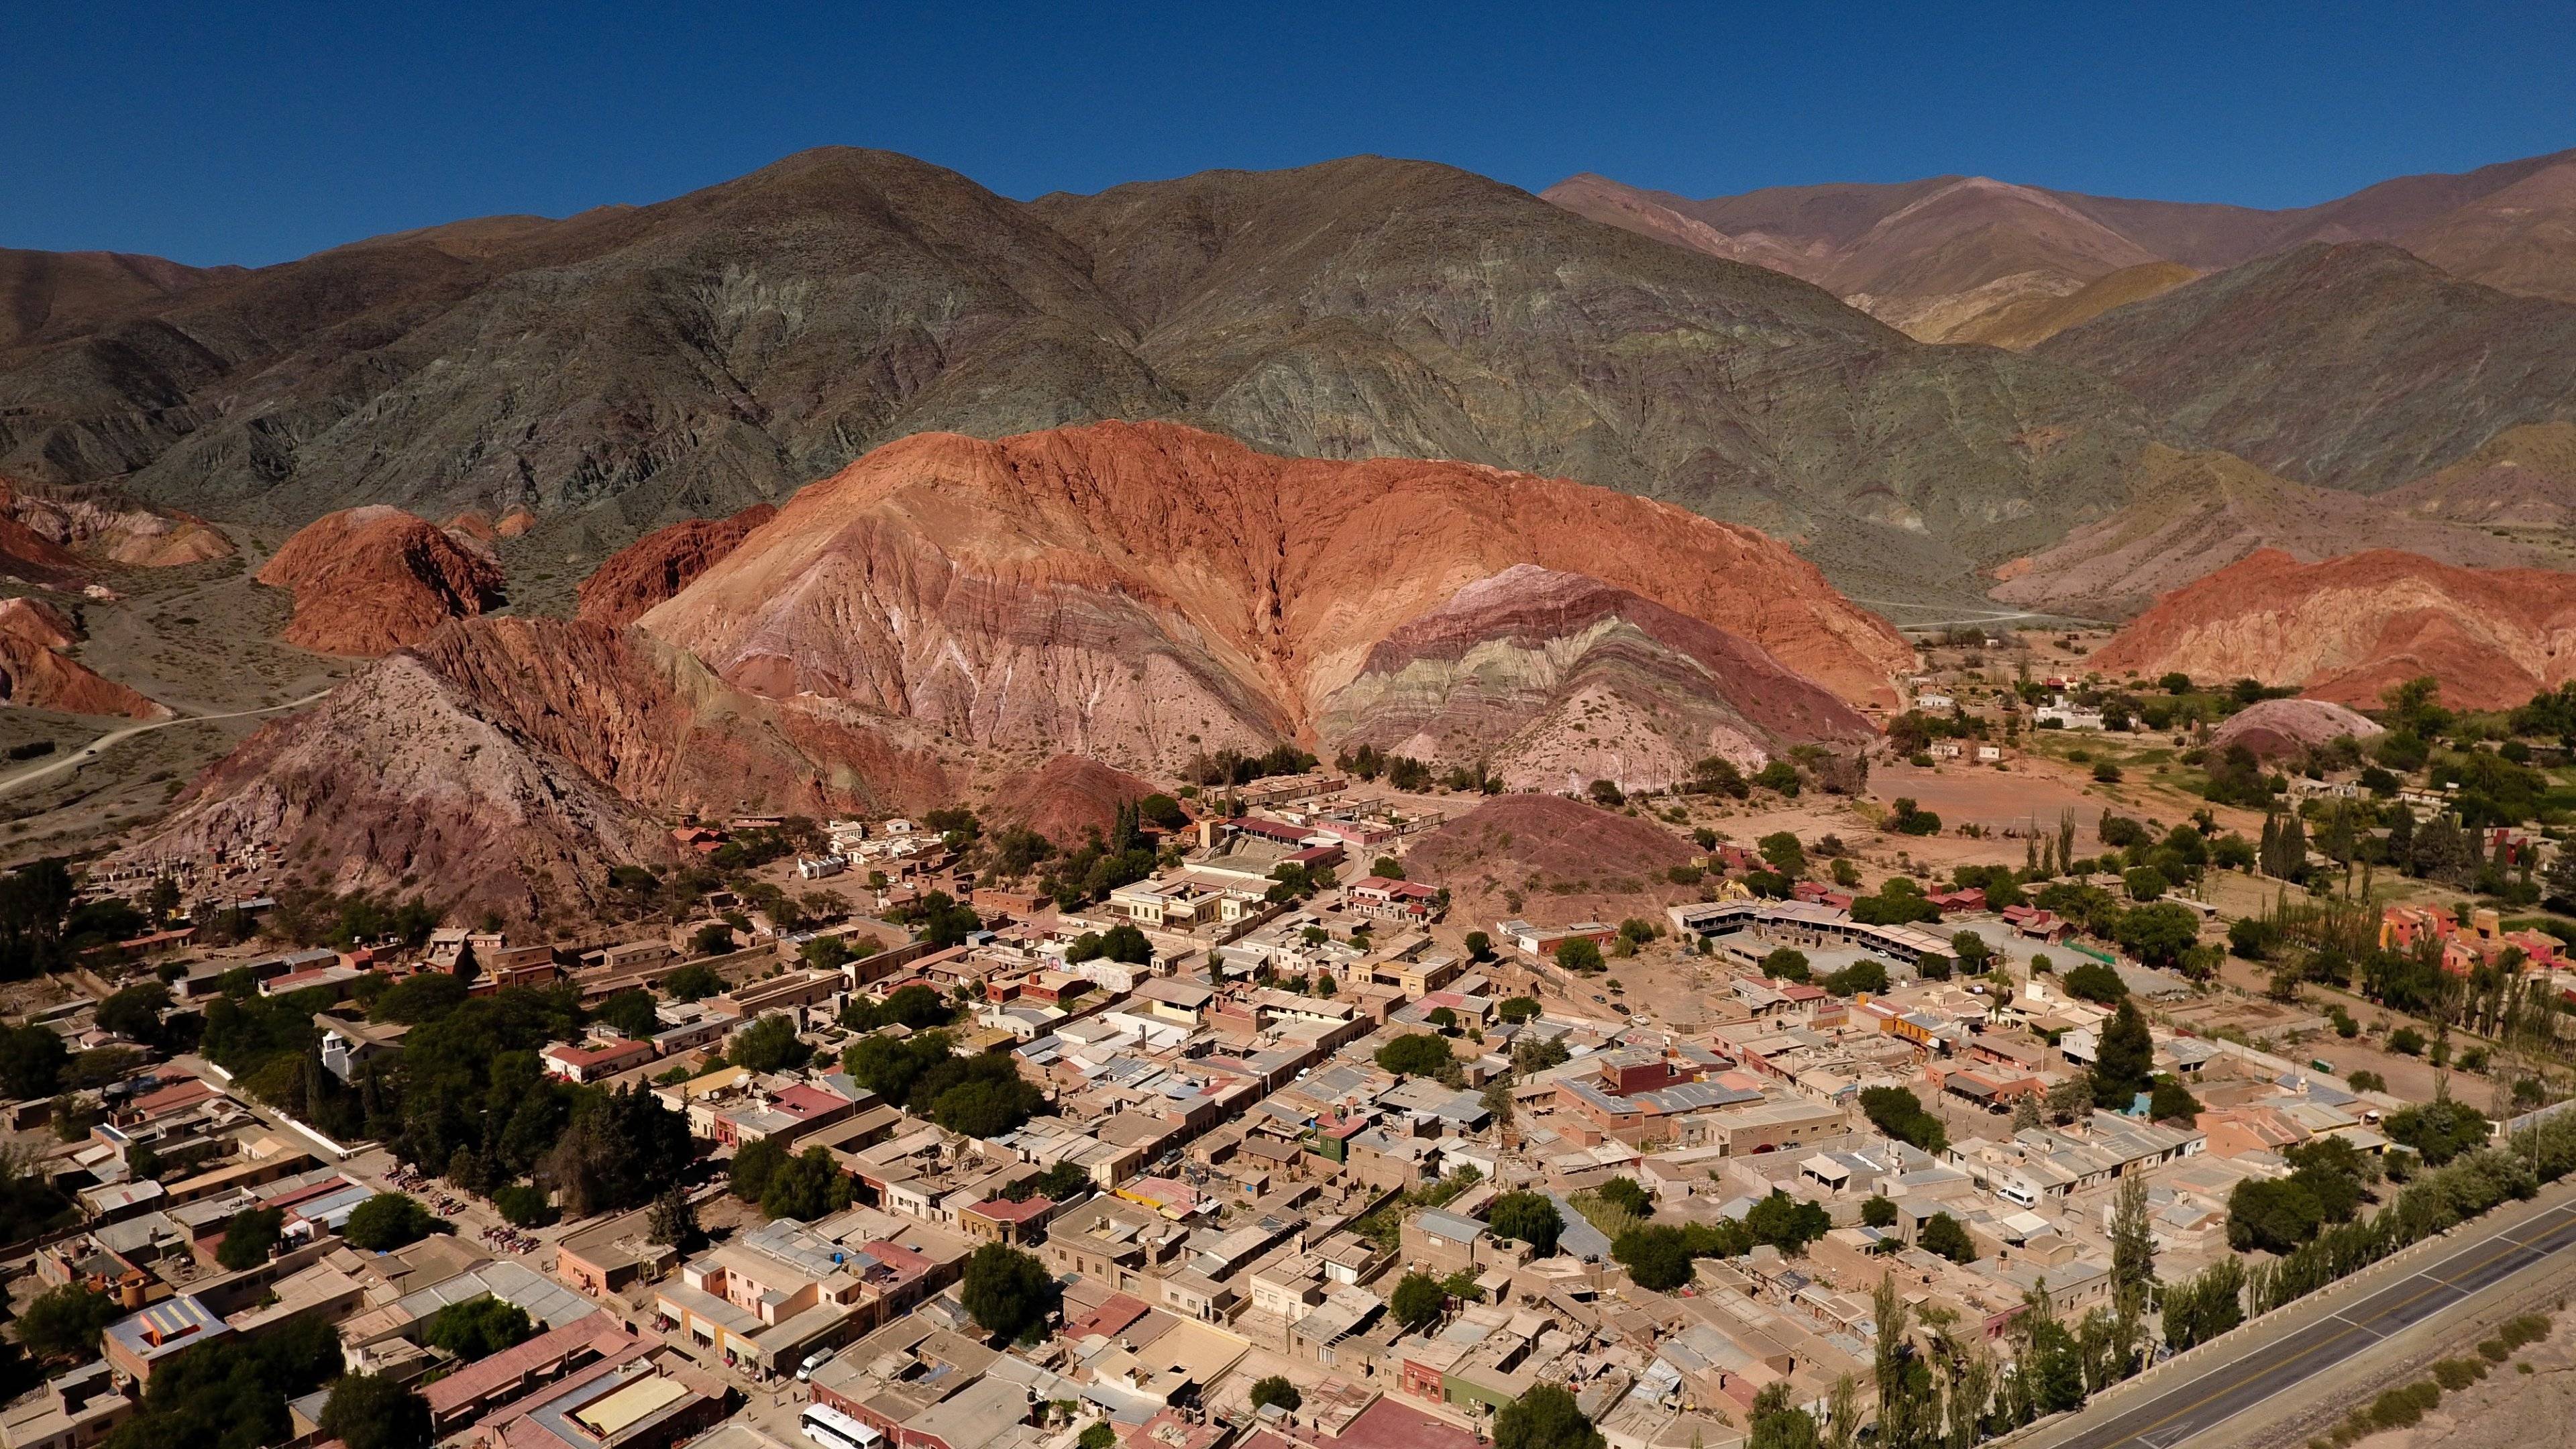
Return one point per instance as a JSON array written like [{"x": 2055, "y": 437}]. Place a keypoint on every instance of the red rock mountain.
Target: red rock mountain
[
  {"x": 370, "y": 580},
  {"x": 514, "y": 761},
  {"x": 1143, "y": 593},
  {"x": 662, "y": 563},
  {"x": 948, "y": 611},
  {"x": 1067, "y": 798},
  {"x": 37, "y": 673},
  {"x": 1552, "y": 861},
  {"x": 2347, "y": 628}
]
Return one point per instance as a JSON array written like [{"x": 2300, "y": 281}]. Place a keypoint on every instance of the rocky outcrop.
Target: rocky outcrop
[
  {"x": 56, "y": 535},
  {"x": 663, "y": 562},
  {"x": 1067, "y": 799},
  {"x": 1551, "y": 861},
  {"x": 370, "y": 580},
  {"x": 37, "y": 672},
  {"x": 2193, "y": 513},
  {"x": 1143, "y": 593},
  {"x": 513, "y": 762},
  {"x": 2349, "y": 628},
  {"x": 2273, "y": 728},
  {"x": 1567, "y": 680}
]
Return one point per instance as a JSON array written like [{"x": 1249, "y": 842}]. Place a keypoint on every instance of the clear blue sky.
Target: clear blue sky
[{"x": 283, "y": 128}]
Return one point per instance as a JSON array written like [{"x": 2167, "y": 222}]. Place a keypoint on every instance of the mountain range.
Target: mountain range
[{"x": 1974, "y": 259}]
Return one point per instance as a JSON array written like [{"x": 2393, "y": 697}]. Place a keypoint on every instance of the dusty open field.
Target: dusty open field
[{"x": 2509, "y": 1409}]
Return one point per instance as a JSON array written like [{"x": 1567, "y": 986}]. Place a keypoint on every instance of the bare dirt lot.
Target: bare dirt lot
[{"x": 2510, "y": 1409}]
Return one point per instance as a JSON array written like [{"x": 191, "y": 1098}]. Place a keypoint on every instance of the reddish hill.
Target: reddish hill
[
  {"x": 1142, "y": 592},
  {"x": 67, "y": 529},
  {"x": 2347, "y": 628},
  {"x": 632, "y": 580},
  {"x": 35, "y": 673},
  {"x": 370, "y": 580},
  {"x": 2276, "y": 727},
  {"x": 1551, "y": 861},
  {"x": 1067, "y": 798},
  {"x": 514, "y": 761}
]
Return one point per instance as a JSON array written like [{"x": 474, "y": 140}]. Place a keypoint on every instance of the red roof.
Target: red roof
[
  {"x": 1111, "y": 1317},
  {"x": 1388, "y": 1424},
  {"x": 804, "y": 1101},
  {"x": 1003, "y": 1210}
]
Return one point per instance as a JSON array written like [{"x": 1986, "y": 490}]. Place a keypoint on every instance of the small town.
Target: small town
[
  {"x": 1221, "y": 1130},
  {"x": 1015, "y": 726}
]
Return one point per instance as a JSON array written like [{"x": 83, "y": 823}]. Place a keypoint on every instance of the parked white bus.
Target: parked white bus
[{"x": 832, "y": 1429}]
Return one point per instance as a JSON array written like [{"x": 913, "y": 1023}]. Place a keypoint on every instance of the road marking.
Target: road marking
[{"x": 2278, "y": 1367}]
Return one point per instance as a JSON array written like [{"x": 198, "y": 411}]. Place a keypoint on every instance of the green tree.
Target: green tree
[
  {"x": 1579, "y": 955},
  {"x": 1778, "y": 1424},
  {"x": 674, "y": 1220},
  {"x": 2275, "y": 1215},
  {"x": 1418, "y": 1301},
  {"x": 1786, "y": 963},
  {"x": 522, "y": 1206},
  {"x": 1783, "y": 853},
  {"x": 1527, "y": 1217},
  {"x": 249, "y": 1237},
  {"x": 135, "y": 1012},
  {"x": 1878, "y": 1212},
  {"x": 1941, "y": 1234},
  {"x": 631, "y": 1013},
  {"x": 1546, "y": 1417},
  {"x": 366, "y": 1411},
  {"x": 1897, "y": 1112},
  {"x": 2095, "y": 982},
  {"x": 1008, "y": 1293},
  {"x": 31, "y": 1061},
  {"x": 1276, "y": 1389},
  {"x": 806, "y": 1187},
  {"x": 63, "y": 1324},
  {"x": 693, "y": 982},
  {"x": 2124, "y": 1061},
  {"x": 1624, "y": 1194},
  {"x": 754, "y": 1164},
  {"x": 770, "y": 1044},
  {"x": 1657, "y": 1257},
  {"x": 1417, "y": 1054},
  {"x": 387, "y": 1221},
  {"x": 478, "y": 1327}
]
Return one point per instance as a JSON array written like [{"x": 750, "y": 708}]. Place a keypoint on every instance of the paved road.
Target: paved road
[
  {"x": 2226, "y": 1389},
  {"x": 113, "y": 738}
]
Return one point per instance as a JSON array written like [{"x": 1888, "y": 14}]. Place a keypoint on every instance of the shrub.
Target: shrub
[
  {"x": 523, "y": 1206},
  {"x": 2455, "y": 1374}
]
